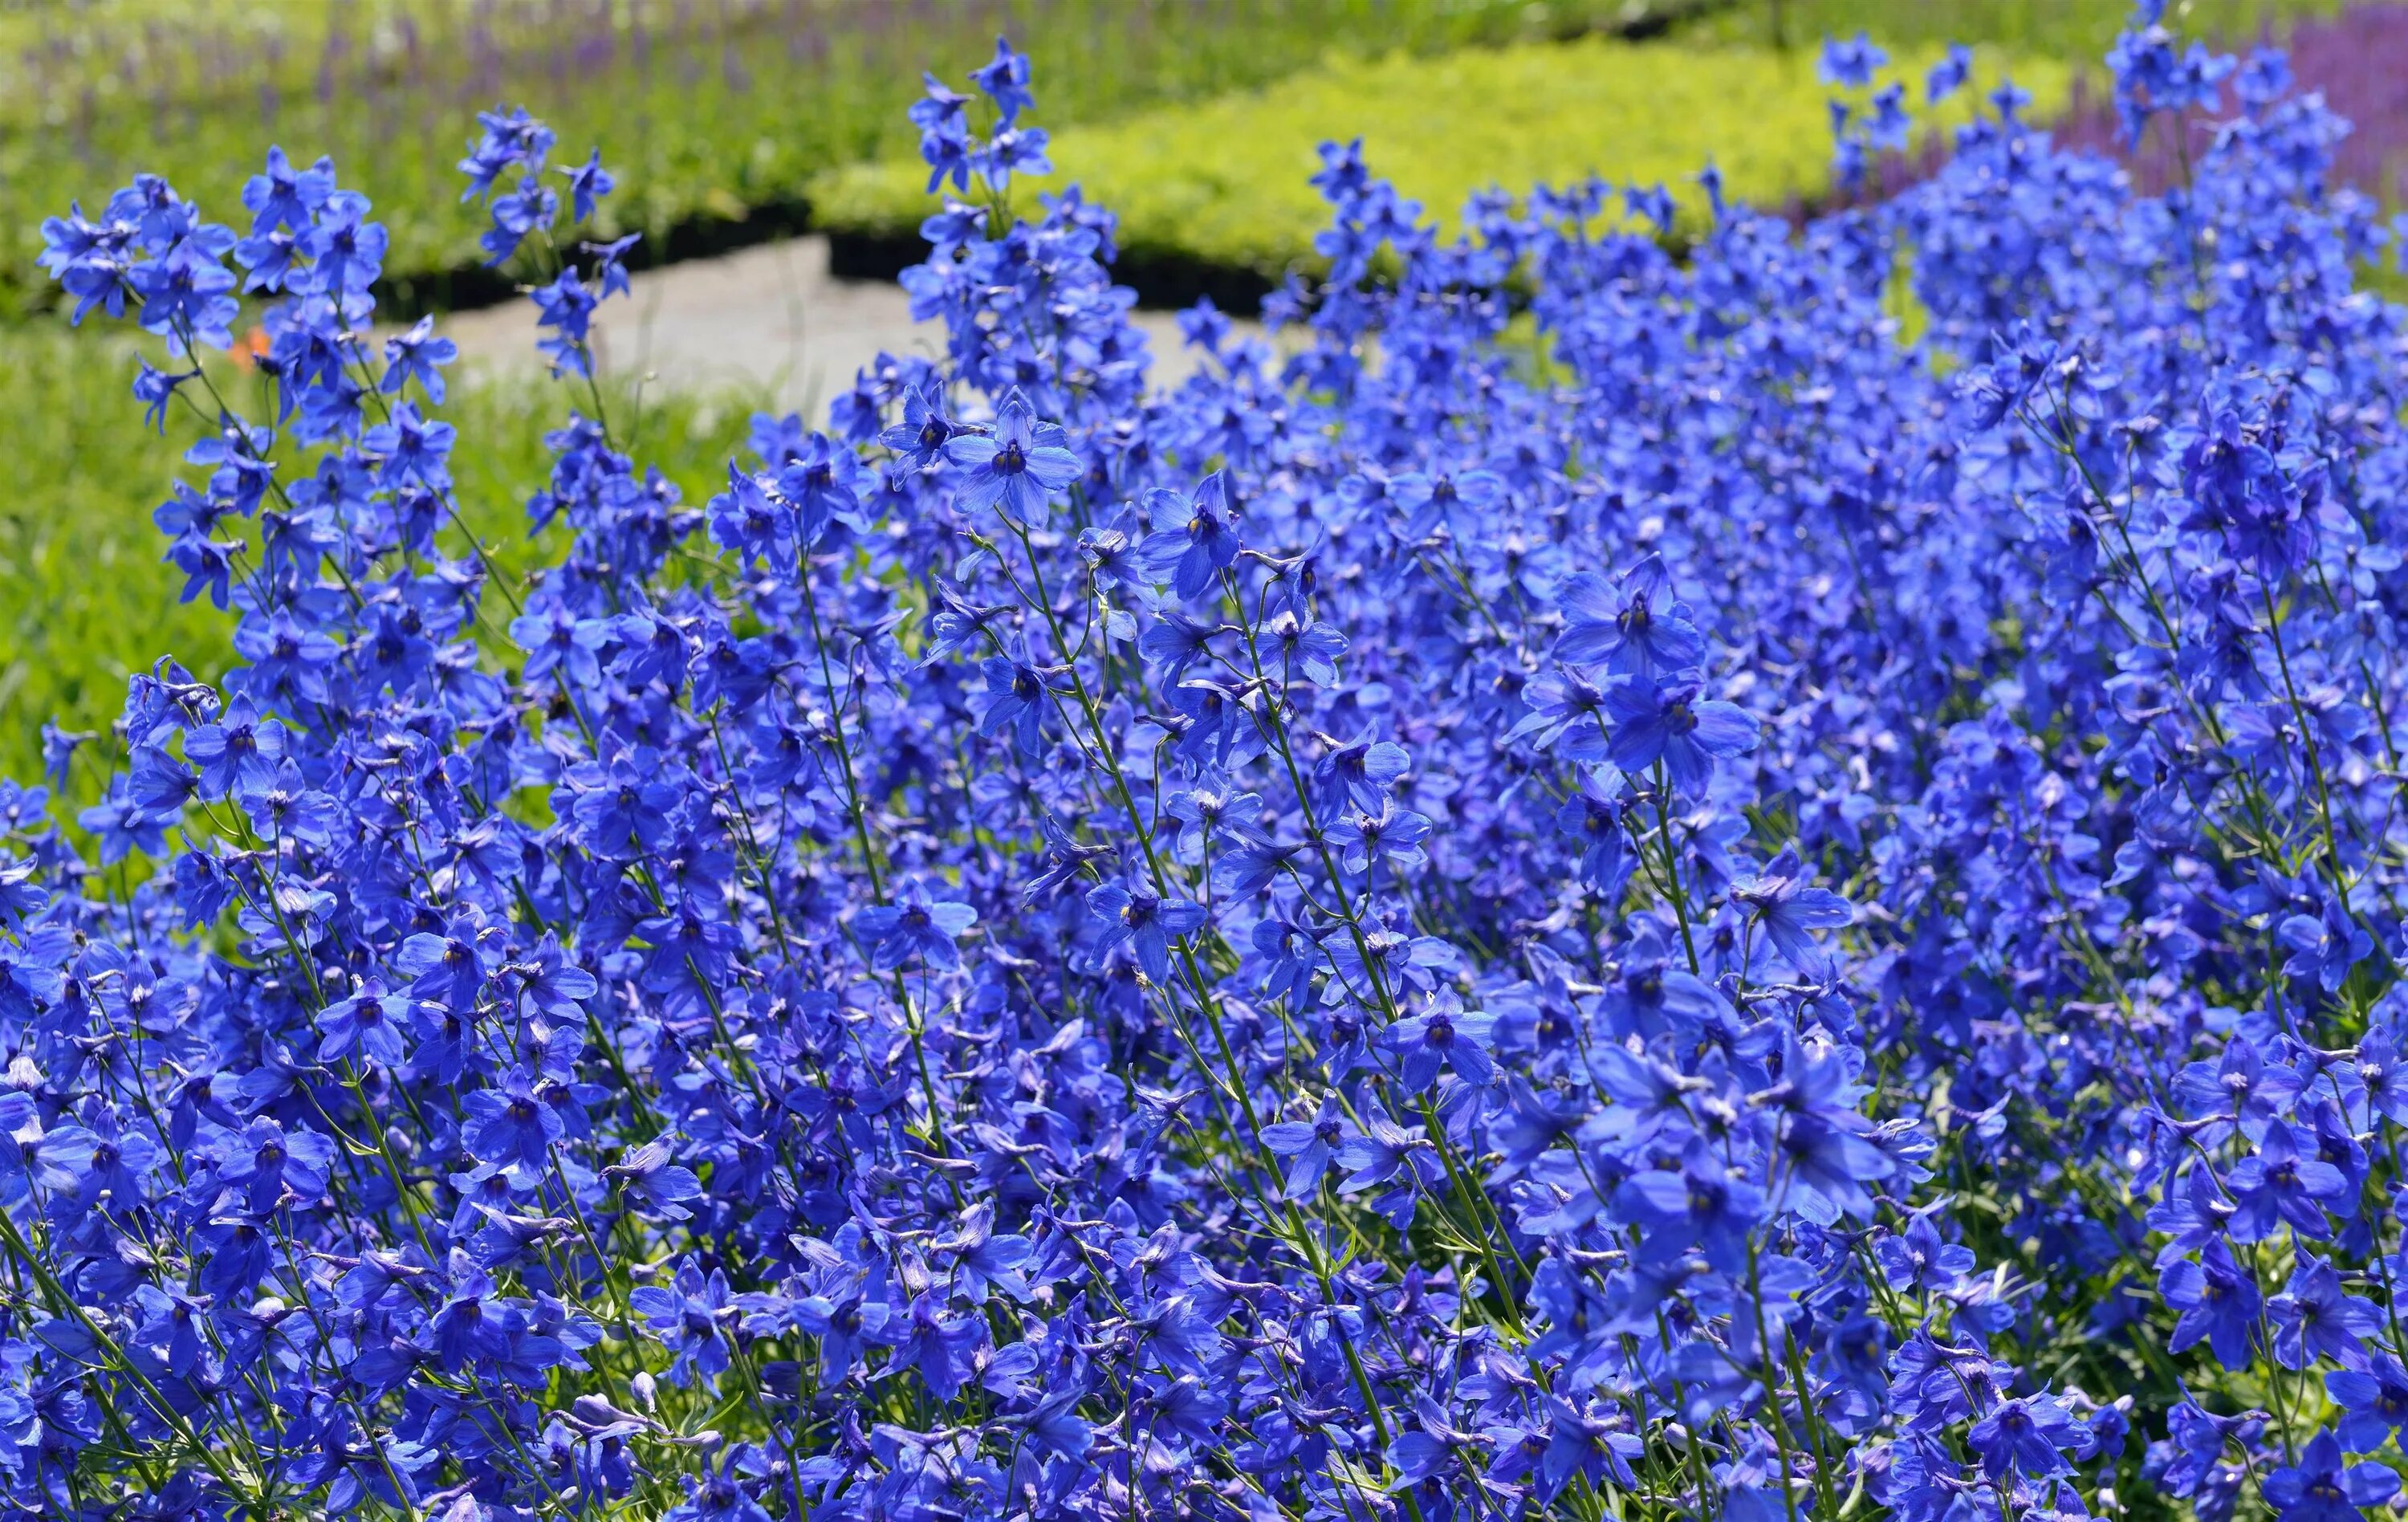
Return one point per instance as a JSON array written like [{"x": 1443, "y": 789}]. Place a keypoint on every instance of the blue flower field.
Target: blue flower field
[{"x": 1754, "y": 876}]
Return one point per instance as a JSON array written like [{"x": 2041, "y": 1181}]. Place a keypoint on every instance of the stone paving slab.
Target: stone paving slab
[{"x": 769, "y": 317}]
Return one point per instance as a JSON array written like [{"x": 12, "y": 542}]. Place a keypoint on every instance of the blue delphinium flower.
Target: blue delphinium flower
[
  {"x": 2024, "y": 1435},
  {"x": 1780, "y": 903},
  {"x": 1195, "y": 538},
  {"x": 1918, "y": 1259},
  {"x": 368, "y": 1025},
  {"x": 1018, "y": 467},
  {"x": 566, "y": 306},
  {"x": 845, "y": 1324},
  {"x": 236, "y": 751},
  {"x": 1308, "y": 1145},
  {"x": 695, "y": 1316},
  {"x": 1448, "y": 1037},
  {"x": 587, "y": 184},
  {"x": 1005, "y": 80},
  {"x": 1402, "y": 1160},
  {"x": 512, "y": 1125},
  {"x": 1949, "y": 75},
  {"x": 915, "y": 928},
  {"x": 2321, "y": 1488},
  {"x": 1699, "y": 1207},
  {"x": 1148, "y": 924},
  {"x": 921, "y": 438},
  {"x": 2323, "y": 947},
  {"x": 1673, "y": 726},
  {"x": 1849, "y": 62},
  {"x": 2282, "y": 1186},
  {"x": 1625, "y": 632},
  {"x": 2313, "y": 1319},
  {"x": 2373, "y": 1401},
  {"x": 1015, "y": 702},
  {"x": 823, "y": 480},
  {"x": 1358, "y": 772},
  {"x": 2218, "y": 1302},
  {"x": 985, "y": 1261}
]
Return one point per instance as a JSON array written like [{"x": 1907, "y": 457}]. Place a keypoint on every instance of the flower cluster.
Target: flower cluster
[{"x": 1603, "y": 888}]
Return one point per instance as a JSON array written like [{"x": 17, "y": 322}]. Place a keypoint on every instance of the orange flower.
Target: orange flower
[{"x": 248, "y": 349}]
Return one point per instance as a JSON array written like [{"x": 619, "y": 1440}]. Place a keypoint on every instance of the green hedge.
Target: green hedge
[{"x": 1225, "y": 182}]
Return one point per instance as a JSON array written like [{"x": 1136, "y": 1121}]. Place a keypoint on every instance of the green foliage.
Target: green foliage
[
  {"x": 708, "y": 114},
  {"x": 83, "y": 595},
  {"x": 1225, "y": 182}
]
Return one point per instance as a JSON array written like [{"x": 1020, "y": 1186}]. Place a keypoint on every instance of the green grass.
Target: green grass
[
  {"x": 709, "y": 113},
  {"x": 1225, "y": 182},
  {"x": 83, "y": 595}
]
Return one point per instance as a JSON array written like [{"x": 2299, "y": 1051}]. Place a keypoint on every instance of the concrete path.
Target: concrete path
[{"x": 768, "y": 318}]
